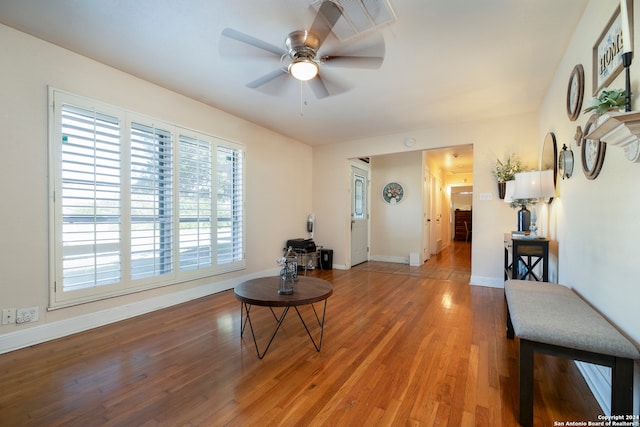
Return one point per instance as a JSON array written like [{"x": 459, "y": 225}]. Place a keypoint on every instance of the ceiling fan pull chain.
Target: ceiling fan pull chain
[
  {"x": 301, "y": 113},
  {"x": 301, "y": 99}
]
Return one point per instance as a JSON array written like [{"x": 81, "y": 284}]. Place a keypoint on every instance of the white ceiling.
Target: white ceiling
[{"x": 446, "y": 61}]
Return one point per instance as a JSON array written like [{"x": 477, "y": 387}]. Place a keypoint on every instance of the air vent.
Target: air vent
[{"x": 360, "y": 16}]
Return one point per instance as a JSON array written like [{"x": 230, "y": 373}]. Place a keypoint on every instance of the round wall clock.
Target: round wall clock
[
  {"x": 575, "y": 92},
  {"x": 392, "y": 193},
  {"x": 592, "y": 151},
  {"x": 565, "y": 162}
]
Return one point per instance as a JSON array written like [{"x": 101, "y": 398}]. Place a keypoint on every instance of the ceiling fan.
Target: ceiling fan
[{"x": 300, "y": 60}]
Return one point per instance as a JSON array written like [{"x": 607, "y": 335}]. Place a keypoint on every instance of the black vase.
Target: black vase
[
  {"x": 502, "y": 189},
  {"x": 524, "y": 219}
]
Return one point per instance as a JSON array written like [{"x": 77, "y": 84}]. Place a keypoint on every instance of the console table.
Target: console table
[
  {"x": 522, "y": 256},
  {"x": 263, "y": 292}
]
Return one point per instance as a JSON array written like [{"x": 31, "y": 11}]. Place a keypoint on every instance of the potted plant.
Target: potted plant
[
  {"x": 607, "y": 99},
  {"x": 506, "y": 171}
]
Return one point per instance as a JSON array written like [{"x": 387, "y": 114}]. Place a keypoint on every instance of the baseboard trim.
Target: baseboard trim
[
  {"x": 49, "y": 331},
  {"x": 491, "y": 282},
  {"x": 384, "y": 258},
  {"x": 598, "y": 382}
]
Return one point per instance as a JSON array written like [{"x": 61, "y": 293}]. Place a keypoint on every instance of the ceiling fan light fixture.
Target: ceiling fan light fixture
[{"x": 303, "y": 69}]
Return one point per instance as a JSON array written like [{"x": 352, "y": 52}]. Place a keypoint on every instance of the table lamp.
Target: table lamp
[
  {"x": 534, "y": 185},
  {"x": 524, "y": 216}
]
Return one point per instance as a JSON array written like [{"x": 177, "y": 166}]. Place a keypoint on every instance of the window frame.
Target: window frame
[{"x": 58, "y": 297}]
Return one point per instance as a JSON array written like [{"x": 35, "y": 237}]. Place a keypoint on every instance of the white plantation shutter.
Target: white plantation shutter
[
  {"x": 90, "y": 198},
  {"x": 136, "y": 203},
  {"x": 151, "y": 202},
  {"x": 230, "y": 199},
  {"x": 196, "y": 204}
]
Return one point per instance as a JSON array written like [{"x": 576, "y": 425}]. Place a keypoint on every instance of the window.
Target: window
[
  {"x": 151, "y": 202},
  {"x": 196, "y": 231},
  {"x": 131, "y": 208},
  {"x": 229, "y": 215},
  {"x": 359, "y": 196},
  {"x": 90, "y": 199}
]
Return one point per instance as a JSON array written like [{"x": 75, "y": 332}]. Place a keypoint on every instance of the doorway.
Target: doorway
[
  {"x": 430, "y": 179},
  {"x": 359, "y": 215},
  {"x": 462, "y": 206}
]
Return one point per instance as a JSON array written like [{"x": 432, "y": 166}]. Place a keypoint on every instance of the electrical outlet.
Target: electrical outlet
[
  {"x": 26, "y": 315},
  {"x": 8, "y": 316}
]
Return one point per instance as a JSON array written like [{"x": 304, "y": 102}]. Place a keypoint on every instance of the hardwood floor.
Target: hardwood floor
[{"x": 402, "y": 346}]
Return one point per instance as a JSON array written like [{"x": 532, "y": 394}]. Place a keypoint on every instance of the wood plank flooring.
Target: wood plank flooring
[{"x": 402, "y": 346}]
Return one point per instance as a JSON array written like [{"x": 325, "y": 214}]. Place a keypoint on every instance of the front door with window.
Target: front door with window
[{"x": 359, "y": 216}]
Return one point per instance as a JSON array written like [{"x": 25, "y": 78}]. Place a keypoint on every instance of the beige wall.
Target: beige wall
[
  {"x": 491, "y": 139},
  {"x": 276, "y": 206},
  {"x": 396, "y": 230},
  {"x": 596, "y": 222}
]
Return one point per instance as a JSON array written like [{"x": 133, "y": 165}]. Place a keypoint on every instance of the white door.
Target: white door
[
  {"x": 359, "y": 216},
  {"x": 426, "y": 216},
  {"x": 435, "y": 231}
]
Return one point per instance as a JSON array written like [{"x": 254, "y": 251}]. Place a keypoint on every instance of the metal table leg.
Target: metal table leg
[
  {"x": 318, "y": 346},
  {"x": 245, "y": 316}
]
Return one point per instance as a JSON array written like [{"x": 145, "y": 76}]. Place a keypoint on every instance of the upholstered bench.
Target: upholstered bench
[{"x": 552, "y": 319}]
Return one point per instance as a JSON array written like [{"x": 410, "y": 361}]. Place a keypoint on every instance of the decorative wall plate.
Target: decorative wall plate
[
  {"x": 593, "y": 151},
  {"x": 575, "y": 92},
  {"x": 393, "y": 193}
]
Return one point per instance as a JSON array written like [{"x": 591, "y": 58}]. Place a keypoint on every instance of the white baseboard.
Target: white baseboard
[
  {"x": 491, "y": 282},
  {"x": 396, "y": 259},
  {"x": 598, "y": 379},
  {"x": 49, "y": 331}
]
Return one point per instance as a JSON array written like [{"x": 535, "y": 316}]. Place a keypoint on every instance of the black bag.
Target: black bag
[{"x": 299, "y": 245}]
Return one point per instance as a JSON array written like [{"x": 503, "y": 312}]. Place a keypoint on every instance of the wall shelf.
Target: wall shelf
[{"x": 620, "y": 130}]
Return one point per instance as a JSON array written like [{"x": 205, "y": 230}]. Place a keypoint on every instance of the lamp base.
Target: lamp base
[{"x": 524, "y": 219}]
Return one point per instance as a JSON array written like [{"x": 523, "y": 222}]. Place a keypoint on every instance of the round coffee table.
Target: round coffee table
[{"x": 263, "y": 292}]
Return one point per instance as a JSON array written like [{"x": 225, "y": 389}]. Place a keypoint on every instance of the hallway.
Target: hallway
[{"x": 452, "y": 263}]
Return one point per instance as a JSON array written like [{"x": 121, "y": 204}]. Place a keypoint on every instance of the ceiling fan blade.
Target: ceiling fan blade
[
  {"x": 318, "y": 87},
  {"x": 327, "y": 16},
  {"x": 267, "y": 78},
  {"x": 250, "y": 40},
  {"x": 371, "y": 62}
]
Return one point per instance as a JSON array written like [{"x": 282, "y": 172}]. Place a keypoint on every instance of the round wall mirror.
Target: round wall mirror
[{"x": 548, "y": 159}]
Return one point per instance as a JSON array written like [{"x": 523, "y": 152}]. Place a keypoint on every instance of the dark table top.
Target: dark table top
[{"x": 264, "y": 291}]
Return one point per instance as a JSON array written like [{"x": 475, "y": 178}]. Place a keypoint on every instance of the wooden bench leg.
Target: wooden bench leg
[
  {"x": 510, "y": 333},
  {"x": 622, "y": 387},
  {"x": 525, "y": 406}
]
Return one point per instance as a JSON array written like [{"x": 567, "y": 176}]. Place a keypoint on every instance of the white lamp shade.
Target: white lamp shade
[
  {"x": 508, "y": 193},
  {"x": 534, "y": 185}
]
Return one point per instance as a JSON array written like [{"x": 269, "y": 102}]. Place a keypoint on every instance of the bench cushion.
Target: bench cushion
[{"x": 554, "y": 314}]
